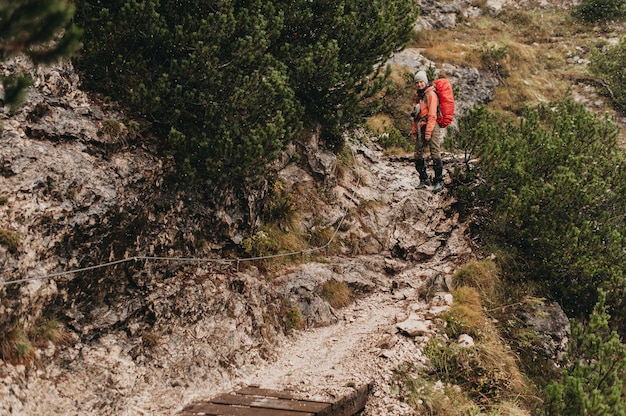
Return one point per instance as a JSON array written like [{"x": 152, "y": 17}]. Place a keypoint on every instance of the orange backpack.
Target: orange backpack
[{"x": 443, "y": 88}]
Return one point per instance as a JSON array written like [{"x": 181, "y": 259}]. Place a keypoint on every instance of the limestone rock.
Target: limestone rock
[{"x": 549, "y": 321}]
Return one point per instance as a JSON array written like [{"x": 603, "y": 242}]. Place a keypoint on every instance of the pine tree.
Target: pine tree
[
  {"x": 554, "y": 185},
  {"x": 200, "y": 73},
  {"x": 228, "y": 82},
  {"x": 592, "y": 379},
  {"x": 608, "y": 64},
  {"x": 334, "y": 51},
  {"x": 592, "y": 11},
  {"x": 41, "y": 30}
]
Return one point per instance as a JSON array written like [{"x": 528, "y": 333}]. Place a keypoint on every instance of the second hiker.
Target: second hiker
[{"x": 426, "y": 131}]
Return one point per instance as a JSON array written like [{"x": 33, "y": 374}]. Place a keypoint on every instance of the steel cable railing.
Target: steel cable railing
[{"x": 199, "y": 259}]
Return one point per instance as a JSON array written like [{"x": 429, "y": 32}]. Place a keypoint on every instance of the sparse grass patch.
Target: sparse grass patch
[
  {"x": 10, "y": 240},
  {"x": 281, "y": 233},
  {"x": 336, "y": 293},
  {"x": 272, "y": 241},
  {"x": 430, "y": 397},
  {"x": 16, "y": 348},
  {"x": 527, "y": 49},
  {"x": 345, "y": 162},
  {"x": 150, "y": 339},
  {"x": 281, "y": 207},
  {"x": 51, "y": 331},
  {"x": 487, "y": 372},
  {"x": 292, "y": 316},
  {"x": 482, "y": 275}
]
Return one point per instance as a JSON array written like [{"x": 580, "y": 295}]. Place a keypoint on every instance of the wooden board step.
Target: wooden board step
[{"x": 264, "y": 402}]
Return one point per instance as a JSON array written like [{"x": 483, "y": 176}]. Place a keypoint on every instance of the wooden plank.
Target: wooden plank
[
  {"x": 213, "y": 409},
  {"x": 257, "y": 391},
  {"x": 254, "y": 401},
  {"x": 351, "y": 404},
  {"x": 272, "y": 403}
]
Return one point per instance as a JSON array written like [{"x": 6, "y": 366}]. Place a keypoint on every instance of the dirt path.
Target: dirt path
[
  {"x": 208, "y": 339},
  {"x": 370, "y": 339},
  {"x": 364, "y": 346}
]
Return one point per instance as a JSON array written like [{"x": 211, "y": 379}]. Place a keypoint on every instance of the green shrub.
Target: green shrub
[
  {"x": 393, "y": 138},
  {"x": 591, "y": 11},
  {"x": 493, "y": 59},
  {"x": 608, "y": 65},
  {"x": 228, "y": 83},
  {"x": 554, "y": 187},
  {"x": 42, "y": 30},
  {"x": 475, "y": 129},
  {"x": 593, "y": 372}
]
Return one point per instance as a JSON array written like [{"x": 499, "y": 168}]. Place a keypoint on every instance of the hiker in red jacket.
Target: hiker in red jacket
[{"x": 426, "y": 131}]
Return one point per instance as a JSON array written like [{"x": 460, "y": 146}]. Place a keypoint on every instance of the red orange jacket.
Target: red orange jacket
[{"x": 427, "y": 115}]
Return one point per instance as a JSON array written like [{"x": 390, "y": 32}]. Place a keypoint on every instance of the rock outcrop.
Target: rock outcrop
[{"x": 81, "y": 188}]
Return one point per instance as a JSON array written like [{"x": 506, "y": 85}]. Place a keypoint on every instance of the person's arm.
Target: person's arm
[{"x": 432, "y": 102}]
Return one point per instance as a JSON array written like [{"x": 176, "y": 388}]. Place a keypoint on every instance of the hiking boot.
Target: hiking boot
[
  {"x": 423, "y": 183},
  {"x": 438, "y": 167}
]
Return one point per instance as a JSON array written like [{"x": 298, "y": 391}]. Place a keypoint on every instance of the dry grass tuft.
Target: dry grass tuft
[
  {"x": 483, "y": 275},
  {"x": 150, "y": 339},
  {"x": 292, "y": 316},
  {"x": 337, "y": 294},
  {"x": 10, "y": 240},
  {"x": 52, "y": 331},
  {"x": 379, "y": 123},
  {"x": 466, "y": 316},
  {"x": 16, "y": 348}
]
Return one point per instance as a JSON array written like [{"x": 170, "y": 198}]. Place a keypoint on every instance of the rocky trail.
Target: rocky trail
[
  {"x": 413, "y": 243},
  {"x": 149, "y": 339},
  {"x": 389, "y": 326}
]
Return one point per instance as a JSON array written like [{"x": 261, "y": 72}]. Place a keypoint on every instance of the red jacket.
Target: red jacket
[{"x": 427, "y": 115}]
